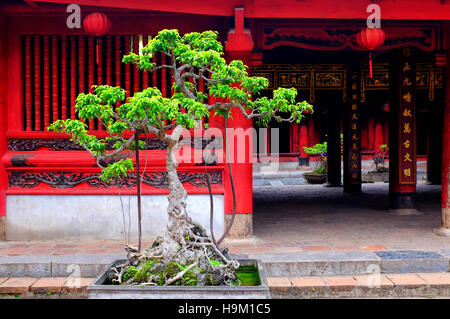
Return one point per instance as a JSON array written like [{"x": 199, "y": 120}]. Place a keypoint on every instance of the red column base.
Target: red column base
[{"x": 402, "y": 201}]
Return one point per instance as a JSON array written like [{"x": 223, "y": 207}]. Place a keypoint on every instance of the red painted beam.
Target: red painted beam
[{"x": 291, "y": 9}]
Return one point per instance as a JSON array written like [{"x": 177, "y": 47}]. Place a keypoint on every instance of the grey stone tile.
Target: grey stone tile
[{"x": 26, "y": 266}]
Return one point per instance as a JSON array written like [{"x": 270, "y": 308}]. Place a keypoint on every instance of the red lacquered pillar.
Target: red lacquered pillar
[
  {"x": 378, "y": 134},
  {"x": 303, "y": 141},
  {"x": 239, "y": 47},
  {"x": 334, "y": 147},
  {"x": 3, "y": 121},
  {"x": 445, "y": 225},
  {"x": 402, "y": 150}
]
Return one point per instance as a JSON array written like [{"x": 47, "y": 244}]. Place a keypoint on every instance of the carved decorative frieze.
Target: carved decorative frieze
[
  {"x": 334, "y": 77},
  {"x": 305, "y": 77},
  {"x": 70, "y": 180},
  {"x": 336, "y": 37},
  {"x": 24, "y": 145}
]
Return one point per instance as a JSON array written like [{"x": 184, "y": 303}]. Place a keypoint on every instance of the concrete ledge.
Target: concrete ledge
[
  {"x": 329, "y": 263},
  {"x": 55, "y": 266},
  {"x": 26, "y": 266},
  {"x": 409, "y": 261},
  {"x": 82, "y": 265}
]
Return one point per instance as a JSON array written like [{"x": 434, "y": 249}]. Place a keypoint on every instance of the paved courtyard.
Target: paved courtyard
[
  {"x": 315, "y": 242},
  {"x": 293, "y": 218},
  {"x": 299, "y": 218}
]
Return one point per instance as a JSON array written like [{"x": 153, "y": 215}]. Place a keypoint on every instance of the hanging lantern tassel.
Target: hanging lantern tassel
[
  {"x": 96, "y": 24},
  {"x": 97, "y": 44},
  {"x": 370, "y": 39}
]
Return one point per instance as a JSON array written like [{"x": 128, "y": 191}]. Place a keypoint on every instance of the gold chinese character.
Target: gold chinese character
[
  {"x": 354, "y": 156},
  {"x": 407, "y": 97},
  {"x": 354, "y": 175},
  {"x": 354, "y": 117},
  {"x": 354, "y": 107},
  {"x": 406, "y": 143},
  {"x": 354, "y": 165},
  {"x": 406, "y": 128},
  {"x": 354, "y": 137},
  {"x": 406, "y": 81},
  {"x": 406, "y": 67},
  {"x": 354, "y": 126},
  {"x": 407, "y": 172},
  {"x": 407, "y": 113},
  {"x": 407, "y": 158},
  {"x": 354, "y": 147},
  {"x": 354, "y": 86}
]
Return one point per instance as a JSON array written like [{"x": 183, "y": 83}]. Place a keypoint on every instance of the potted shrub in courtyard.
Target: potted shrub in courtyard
[
  {"x": 381, "y": 172},
  {"x": 319, "y": 174},
  {"x": 185, "y": 255}
]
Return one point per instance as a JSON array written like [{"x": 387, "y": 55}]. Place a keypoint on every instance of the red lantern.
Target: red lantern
[
  {"x": 370, "y": 39},
  {"x": 96, "y": 24}
]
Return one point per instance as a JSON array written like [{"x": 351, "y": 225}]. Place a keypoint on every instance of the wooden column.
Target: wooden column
[
  {"x": 3, "y": 119},
  {"x": 82, "y": 65},
  {"x": 334, "y": 146},
  {"x": 445, "y": 197},
  {"x": 29, "y": 124},
  {"x": 352, "y": 134},
  {"x": 371, "y": 132},
  {"x": 434, "y": 147},
  {"x": 402, "y": 150},
  {"x": 37, "y": 82},
  {"x": 304, "y": 141},
  {"x": 238, "y": 47},
  {"x": 128, "y": 67},
  {"x": 72, "y": 73},
  {"x": 46, "y": 83},
  {"x": 91, "y": 61},
  {"x": 378, "y": 138}
]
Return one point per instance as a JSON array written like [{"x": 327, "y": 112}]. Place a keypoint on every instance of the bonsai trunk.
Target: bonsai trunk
[
  {"x": 179, "y": 221},
  {"x": 185, "y": 243}
]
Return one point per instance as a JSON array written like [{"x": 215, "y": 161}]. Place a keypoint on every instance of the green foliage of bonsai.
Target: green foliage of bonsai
[
  {"x": 321, "y": 150},
  {"x": 191, "y": 57},
  {"x": 379, "y": 157}
]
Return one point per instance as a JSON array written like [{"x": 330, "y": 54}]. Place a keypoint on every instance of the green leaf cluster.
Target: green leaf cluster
[{"x": 191, "y": 57}]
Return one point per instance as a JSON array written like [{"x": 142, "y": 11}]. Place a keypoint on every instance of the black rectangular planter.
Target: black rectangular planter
[{"x": 97, "y": 290}]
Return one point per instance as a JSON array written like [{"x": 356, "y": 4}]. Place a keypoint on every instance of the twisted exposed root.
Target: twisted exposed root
[{"x": 187, "y": 258}]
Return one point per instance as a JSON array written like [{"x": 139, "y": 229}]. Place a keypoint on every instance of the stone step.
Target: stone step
[
  {"x": 340, "y": 263},
  {"x": 306, "y": 263},
  {"x": 55, "y": 266},
  {"x": 425, "y": 285}
]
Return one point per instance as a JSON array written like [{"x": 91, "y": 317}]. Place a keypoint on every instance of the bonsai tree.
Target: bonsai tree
[
  {"x": 379, "y": 157},
  {"x": 185, "y": 255},
  {"x": 318, "y": 149}
]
